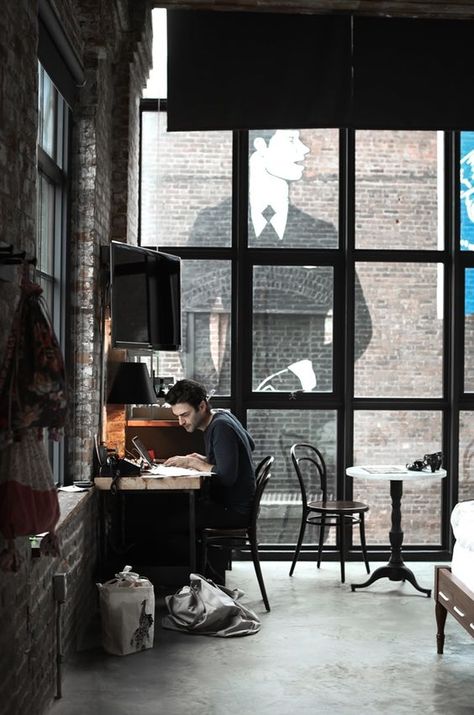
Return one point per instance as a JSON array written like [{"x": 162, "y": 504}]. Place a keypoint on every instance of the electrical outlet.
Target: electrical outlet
[{"x": 59, "y": 587}]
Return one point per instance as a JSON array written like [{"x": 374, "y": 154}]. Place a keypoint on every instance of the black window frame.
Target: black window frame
[{"x": 453, "y": 400}]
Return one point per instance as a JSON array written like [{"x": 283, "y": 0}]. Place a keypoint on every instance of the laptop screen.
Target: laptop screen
[{"x": 142, "y": 450}]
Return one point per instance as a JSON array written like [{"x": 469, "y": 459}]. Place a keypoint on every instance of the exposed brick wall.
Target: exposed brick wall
[
  {"x": 18, "y": 128},
  {"x": 105, "y": 176},
  {"x": 396, "y": 192},
  {"x": 412, "y": 8},
  {"x": 27, "y": 635},
  {"x": 466, "y": 456},
  {"x": 130, "y": 77},
  {"x": 113, "y": 40}
]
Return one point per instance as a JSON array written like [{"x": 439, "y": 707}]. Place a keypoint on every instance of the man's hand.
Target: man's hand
[
  {"x": 178, "y": 461},
  {"x": 198, "y": 456},
  {"x": 190, "y": 461}
]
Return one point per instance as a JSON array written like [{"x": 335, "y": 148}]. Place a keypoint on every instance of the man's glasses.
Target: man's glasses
[{"x": 434, "y": 461}]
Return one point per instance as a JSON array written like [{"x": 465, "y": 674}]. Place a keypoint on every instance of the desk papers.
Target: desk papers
[{"x": 160, "y": 471}]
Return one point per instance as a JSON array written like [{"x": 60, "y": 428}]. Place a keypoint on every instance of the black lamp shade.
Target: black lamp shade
[{"x": 132, "y": 385}]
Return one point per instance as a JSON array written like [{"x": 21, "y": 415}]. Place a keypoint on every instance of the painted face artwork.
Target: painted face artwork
[{"x": 284, "y": 154}]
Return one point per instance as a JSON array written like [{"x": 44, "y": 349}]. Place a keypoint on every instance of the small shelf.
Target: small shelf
[{"x": 152, "y": 423}]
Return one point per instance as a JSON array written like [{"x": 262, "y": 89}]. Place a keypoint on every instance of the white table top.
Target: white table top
[{"x": 400, "y": 473}]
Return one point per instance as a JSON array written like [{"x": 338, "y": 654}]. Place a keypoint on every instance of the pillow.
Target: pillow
[{"x": 462, "y": 522}]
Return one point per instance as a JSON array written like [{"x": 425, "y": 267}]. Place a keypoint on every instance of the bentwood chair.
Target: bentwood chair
[
  {"x": 246, "y": 536},
  {"x": 311, "y": 471}
]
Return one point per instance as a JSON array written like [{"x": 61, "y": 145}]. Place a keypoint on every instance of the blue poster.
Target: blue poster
[{"x": 467, "y": 212}]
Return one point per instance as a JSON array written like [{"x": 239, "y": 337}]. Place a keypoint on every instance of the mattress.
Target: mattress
[{"x": 462, "y": 522}]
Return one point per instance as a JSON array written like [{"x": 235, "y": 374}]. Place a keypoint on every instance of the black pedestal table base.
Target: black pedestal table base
[{"x": 395, "y": 569}]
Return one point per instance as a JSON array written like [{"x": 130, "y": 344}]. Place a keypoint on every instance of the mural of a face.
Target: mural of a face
[{"x": 284, "y": 154}]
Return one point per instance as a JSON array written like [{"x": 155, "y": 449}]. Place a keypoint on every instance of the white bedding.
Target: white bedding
[{"x": 462, "y": 521}]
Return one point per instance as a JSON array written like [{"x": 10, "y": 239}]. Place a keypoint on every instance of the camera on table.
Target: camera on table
[{"x": 433, "y": 461}]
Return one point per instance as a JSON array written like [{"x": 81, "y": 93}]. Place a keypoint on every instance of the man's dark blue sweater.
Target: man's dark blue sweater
[{"x": 229, "y": 447}]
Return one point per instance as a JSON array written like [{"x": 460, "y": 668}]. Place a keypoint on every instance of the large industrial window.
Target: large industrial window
[{"x": 326, "y": 298}]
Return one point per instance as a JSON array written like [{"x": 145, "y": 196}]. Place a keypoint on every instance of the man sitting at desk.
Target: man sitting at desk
[{"x": 228, "y": 456}]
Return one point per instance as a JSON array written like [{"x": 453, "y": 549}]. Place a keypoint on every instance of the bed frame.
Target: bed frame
[{"x": 452, "y": 596}]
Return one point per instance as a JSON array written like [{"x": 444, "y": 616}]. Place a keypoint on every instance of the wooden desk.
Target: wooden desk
[{"x": 143, "y": 484}]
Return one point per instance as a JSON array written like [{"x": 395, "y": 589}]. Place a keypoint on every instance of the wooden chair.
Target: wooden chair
[
  {"x": 247, "y": 535},
  {"x": 324, "y": 514}
]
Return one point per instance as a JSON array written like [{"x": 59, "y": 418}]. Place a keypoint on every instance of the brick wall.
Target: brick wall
[
  {"x": 18, "y": 101},
  {"x": 113, "y": 40},
  {"x": 104, "y": 203},
  {"x": 28, "y": 610},
  {"x": 18, "y": 109}
]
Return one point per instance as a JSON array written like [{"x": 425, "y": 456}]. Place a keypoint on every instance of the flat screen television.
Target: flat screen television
[{"x": 145, "y": 298}]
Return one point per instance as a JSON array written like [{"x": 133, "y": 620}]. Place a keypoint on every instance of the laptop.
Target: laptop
[
  {"x": 142, "y": 451},
  {"x": 160, "y": 470}
]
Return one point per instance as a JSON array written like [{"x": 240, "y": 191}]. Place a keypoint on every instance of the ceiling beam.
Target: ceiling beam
[{"x": 437, "y": 9}]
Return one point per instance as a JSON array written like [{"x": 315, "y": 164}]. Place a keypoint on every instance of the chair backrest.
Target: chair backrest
[
  {"x": 303, "y": 453},
  {"x": 262, "y": 477},
  {"x": 263, "y": 468}
]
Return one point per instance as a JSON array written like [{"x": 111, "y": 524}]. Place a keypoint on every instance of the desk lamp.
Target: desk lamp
[{"x": 132, "y": 385}]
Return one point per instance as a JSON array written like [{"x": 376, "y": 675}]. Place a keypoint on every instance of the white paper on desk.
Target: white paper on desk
[
  {"x": 161, "y": 470},
  {"x": 73, "y": 488}
]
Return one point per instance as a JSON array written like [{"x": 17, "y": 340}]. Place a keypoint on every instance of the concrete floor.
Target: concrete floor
[{"x": 322, "y": 649}]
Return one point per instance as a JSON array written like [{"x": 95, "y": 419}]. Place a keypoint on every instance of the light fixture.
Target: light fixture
[
  {"x": 303, "y": 369},
  {"x": 132, "y": 385}
]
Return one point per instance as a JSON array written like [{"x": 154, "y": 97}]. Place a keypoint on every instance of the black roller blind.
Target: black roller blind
[
  {"x": 239, "y": 70},
  {"x": 413, "y": 74}
]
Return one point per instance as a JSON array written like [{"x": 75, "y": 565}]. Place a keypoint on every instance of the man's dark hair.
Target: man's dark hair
[{"x": 188, "y": 391}]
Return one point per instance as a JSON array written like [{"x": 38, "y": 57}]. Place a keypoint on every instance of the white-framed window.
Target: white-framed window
[{"x": 52, "y": 195}]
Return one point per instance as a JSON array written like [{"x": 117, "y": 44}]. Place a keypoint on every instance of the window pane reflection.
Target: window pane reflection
[
  {"x": 292, "y": 328},
  {"x": 47, "y": 286},
  {"x": 397, "y": 200},
  {"x": 186, "y": 186},
  {"x": 293, "y": 188},
  {"x": 404, "y": 356},
  {"x": 274, "y": 431},
  {"x": 398, "y": 437},
  {"x": 48, "y": 97},
  {"x": 45, "y": 224},
  {"x": 466, "y": 456},
  {"x": 206, "y": 327}
]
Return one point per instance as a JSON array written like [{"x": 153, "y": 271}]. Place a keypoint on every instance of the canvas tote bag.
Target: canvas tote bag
[
  {"x": 207, "y": 609},
  {"x": 127, "y": 609}
]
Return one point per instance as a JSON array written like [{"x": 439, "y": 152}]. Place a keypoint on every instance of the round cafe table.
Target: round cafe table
[{"x": 395, "y": 569}]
